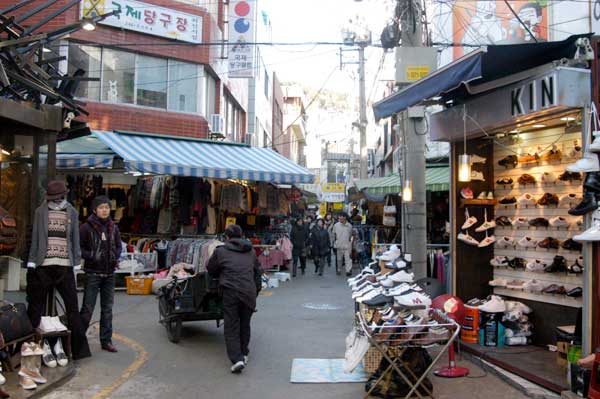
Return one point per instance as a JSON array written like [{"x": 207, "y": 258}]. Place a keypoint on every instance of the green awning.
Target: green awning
[{"x": 436, "y": 179}]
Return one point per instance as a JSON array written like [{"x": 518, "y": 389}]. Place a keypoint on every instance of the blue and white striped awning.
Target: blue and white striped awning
[
  {"x": 188, "y": 157},
  {"x": 84, "y": 161}
]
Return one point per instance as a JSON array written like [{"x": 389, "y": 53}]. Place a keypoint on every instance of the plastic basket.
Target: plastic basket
[
  {"x": 372, "y": 360},
  {"x": 138, "y": 285}
]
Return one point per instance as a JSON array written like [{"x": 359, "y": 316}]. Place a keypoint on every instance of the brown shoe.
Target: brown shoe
[
  {"x": 551, "y": 289},
  {"x": 527, "y": 158},
  {"x": 561, "y": 290},
  {"x": 549, "y": 243},
  {"x": 109, "y": 348},
  {"x": 553, "y": 155},
  {"x": 548, "y": 199},
  {"x": 526, "y": 179}
]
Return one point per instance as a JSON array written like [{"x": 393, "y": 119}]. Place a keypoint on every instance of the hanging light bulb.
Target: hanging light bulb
[
  {"x": 407, "y": 191},
  {"x": 464, "y": 160}
]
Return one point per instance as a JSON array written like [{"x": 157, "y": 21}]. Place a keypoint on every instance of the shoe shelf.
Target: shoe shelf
[
  {"x": 531, "y": 143},
  {"x": 556, "y": 299},
  {"x": 476, "y": 202}
]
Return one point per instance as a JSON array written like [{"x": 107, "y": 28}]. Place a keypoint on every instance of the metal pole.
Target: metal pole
[
  {"x": 363, "y": 112},
  {"x": 414, "y": 213}
]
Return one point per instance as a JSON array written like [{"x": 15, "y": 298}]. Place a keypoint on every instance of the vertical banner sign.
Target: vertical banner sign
[
  {"x": 484, "y": 22},
  {"x": 146, "y": 18},
  {"x": 242, "y": 25}
]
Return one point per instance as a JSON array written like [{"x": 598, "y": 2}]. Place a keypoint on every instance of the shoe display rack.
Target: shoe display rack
[
  {"x": 392, "y": 341},
  {"x": 532, "y": 194}
]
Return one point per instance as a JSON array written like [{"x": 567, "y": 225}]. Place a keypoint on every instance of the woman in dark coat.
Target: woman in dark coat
[
  {"x": 298, "y": 237},
  {"x": 320, "y": 245}
]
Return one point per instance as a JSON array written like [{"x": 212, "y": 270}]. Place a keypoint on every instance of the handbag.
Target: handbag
[
  {"x": 389, "y": 213},
  {"x": 14, "y": 322}
]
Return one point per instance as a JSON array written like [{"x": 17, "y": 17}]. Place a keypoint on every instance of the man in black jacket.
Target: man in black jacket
[
  {"x": 238, "y": 270},
  {"x": 320, "y": 245},
  {"x": 298, "y": 237}
]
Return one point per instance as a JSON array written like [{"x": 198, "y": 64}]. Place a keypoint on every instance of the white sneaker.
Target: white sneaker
[
  {"x": 475, "y": 175},
  {"x": 527, "y": 200},
  {"x": 595, "y": 146},
  {"x": 505, "y": 242},
  {"x": 369, "y": 295},
  {"x": 238, "y": 367},
  {"x": 520, "y": 222},
  {"x": 499, "y": 261},
  {"x": 470, "y": 220},
  {"x": 482, "y": 195},
  {"x": 477, "y": 159},
  {"x": 589, "y": 163},
  {"x": 515, "y": 306},
  {"x": 46, "y": 324},
  {"x": 57, "y": 324},
  {"x": 559, "y": 221},
  {"x": 48, "y": 358},
  {"x": 487, "y": 225},
  {"x": 515, "y": 284},
  {"x": 413, "y": 299},
  {"x": 467, "y": 239},
  {"x": 533, "y": 286},
  {"x": 487, "y": 241},
  {"x": 498, "y": 282},
  {"x": 591, "y": 234},
  {"x": 61, "y": 357},
  {"x": 494, "y": 305},
  {"x": 528, "y": 242},
  {"x": 536, "y": 265},
  {"x": 548, "y": 178},
  {"x": 569, "y": 200},
  {"x": 402, "y": 277}
]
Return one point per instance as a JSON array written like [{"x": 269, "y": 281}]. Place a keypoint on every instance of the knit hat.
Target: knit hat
[{"x": 99, "y": 200}]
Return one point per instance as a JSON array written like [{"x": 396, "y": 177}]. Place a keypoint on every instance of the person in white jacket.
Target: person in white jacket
[{"x": 342, "y": 242}]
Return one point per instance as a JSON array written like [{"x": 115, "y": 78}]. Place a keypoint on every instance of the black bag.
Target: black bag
[{"x": 14, "y": 322}]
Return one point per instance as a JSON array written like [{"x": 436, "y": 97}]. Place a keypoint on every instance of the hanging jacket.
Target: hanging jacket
[
  {"x": 238, "y": 270},
  {"x": 100, "y": 245}
]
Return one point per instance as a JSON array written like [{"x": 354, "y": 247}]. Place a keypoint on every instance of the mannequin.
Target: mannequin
[{"x": 53, "y": 255}]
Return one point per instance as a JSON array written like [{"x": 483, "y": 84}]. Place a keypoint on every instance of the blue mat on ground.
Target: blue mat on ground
[{"x": 322, "y": 371}]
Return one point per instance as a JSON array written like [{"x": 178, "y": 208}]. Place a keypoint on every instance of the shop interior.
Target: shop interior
[{"x": 518, "y": 183}]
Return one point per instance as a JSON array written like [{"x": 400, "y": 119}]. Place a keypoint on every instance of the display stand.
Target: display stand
[
  {"x": 393, "y": 341},
  {"x": 148, "y": 261}
]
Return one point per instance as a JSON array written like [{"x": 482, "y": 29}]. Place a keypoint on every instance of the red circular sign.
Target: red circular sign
[{"x": 242, "y": 8}]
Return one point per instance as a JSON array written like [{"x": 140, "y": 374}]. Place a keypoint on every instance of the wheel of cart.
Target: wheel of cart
[{"x": 195, "y": 298}]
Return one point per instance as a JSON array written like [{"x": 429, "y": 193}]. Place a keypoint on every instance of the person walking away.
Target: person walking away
[
  {"x": 320, "y": 245},
  {"x": 236, "y": 266},
  {"x": 328, "y": 226},
  {"x": 101, "y": 249},
  {"x": 342, "y": 242},
  {"x": 298, "y": 237}
]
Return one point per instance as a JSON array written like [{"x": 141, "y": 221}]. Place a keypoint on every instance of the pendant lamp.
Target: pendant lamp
[{"x": 464, "y": 160}]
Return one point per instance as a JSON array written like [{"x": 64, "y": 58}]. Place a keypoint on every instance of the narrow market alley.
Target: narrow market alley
[{"x": 308, "y": 317}]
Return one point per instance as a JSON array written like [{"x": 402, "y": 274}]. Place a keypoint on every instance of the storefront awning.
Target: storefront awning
[
  {"x": 436, "y": 179},
  {"x": 201, "y": 158},
  {"x": 493, "y": 62}
]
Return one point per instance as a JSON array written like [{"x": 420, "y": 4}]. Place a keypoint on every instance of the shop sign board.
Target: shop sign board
[
  {"x": 242, "y": 27},
  {"x": 146, "y": 18},
  {"x": 333, "y": 192},
  {"x": 338, "y": 206},
  {"x": 323, "y": 209},
  {"x": 595, "y": 16},
  {"x": 558, "y": 88}
]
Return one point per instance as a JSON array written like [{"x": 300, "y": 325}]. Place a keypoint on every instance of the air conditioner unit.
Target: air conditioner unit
[
  {"x": 250, "y": 139},
  {"x": 216, "y": 123}
]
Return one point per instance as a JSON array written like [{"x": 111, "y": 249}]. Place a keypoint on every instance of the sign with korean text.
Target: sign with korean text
[
  {"x": 333, "y": 192},
  {"x": 146, "y": 18},
  {"x": 414, "y": 73},
  {"x": 242, "y": 26}
]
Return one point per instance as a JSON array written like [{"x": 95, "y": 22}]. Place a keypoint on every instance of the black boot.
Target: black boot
[
  {"x": 589, "y": 204},
  {"x": 592, "y": 182}
]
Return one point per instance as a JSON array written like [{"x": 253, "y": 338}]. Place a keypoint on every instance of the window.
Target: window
[
  {"x": 211, "y": 95},
  {"x": 267, "y": 84},
  {"x": 118, "y": 76},
  {"x": 183, "y": 86},
  {"x": 151, "y": 82},
  {"x": 89, "y": 59}
]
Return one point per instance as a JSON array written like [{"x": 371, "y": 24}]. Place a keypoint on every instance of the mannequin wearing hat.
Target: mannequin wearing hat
[{"x": 53, "y": 255}]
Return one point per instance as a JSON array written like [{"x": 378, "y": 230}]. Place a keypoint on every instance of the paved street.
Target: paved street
[{"x": 197, "y": 367}]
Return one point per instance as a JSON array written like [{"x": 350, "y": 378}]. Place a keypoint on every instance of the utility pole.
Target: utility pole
[
  {"x": 362, "y": 124},
  {"x": 414, "y": 131}
]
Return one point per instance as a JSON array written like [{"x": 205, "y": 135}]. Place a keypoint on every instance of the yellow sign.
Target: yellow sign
[
  {"x": 251, "y": 220},
  {"x": 333, "y": 188},
  {"x": 230, "y": 220},
  {"x": 414, "y": 73},
  {"x": 338, "y": 206},
  {"x": 323, "y": 209}
]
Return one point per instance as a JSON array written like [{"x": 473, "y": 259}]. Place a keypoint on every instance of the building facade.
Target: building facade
[{"x": 157, "y": 67}]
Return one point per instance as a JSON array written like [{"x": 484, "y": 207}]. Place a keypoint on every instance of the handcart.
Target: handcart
[
  {"x": 195, "y": 298},
  {"x": 393, "y": 341}
]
